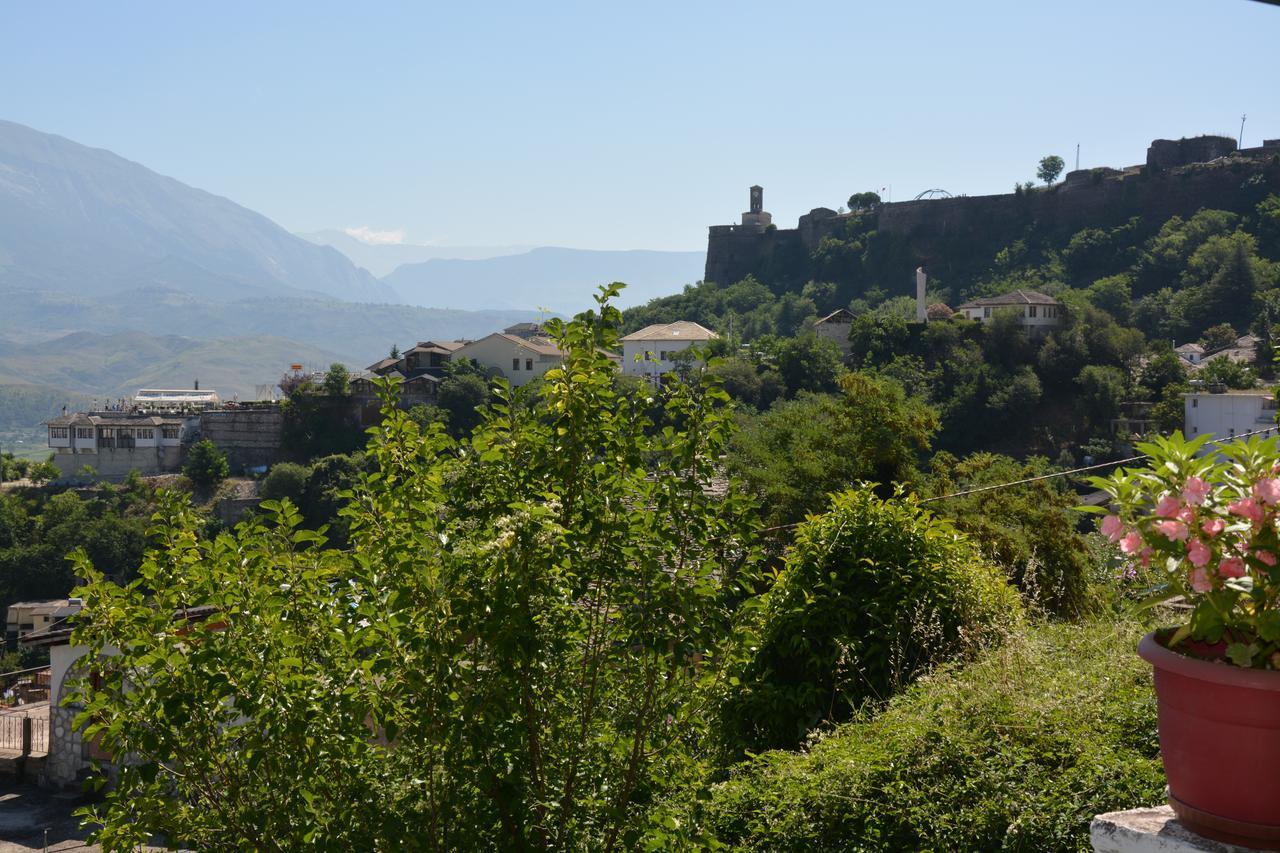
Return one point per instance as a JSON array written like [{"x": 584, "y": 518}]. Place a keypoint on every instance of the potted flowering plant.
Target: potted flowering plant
[{"x": 1203, "y": 526}]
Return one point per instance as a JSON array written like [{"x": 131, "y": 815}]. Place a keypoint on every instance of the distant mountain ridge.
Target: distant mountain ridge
[
  {"x": 84, "y": 220},
  {"x": 562, "y": 280},
  {"x": 382, "y": 258}
]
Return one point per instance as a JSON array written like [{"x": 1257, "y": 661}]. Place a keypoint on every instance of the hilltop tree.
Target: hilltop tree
[
  {"x": 1050, "y": 168},
  {"x": 336, "y": 380},
  {"x": 864, "y": 200},
  {"x": 395, "y": 351}
]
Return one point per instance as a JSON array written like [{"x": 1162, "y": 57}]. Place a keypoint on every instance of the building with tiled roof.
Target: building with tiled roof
[
  {"x": 1037, "y": 313},
  {"x": 651, "y": 351}
]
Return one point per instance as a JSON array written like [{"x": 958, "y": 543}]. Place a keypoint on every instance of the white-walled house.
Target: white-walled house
[
  {"x": 519, "y": 359},
  {"x": 115, "y": 443},
  {"x": 1228, "y": 413},
  {"x": 649, "y": 351},
  {"x": 835, "y": 328},
  {"x": 1036, "y": 312}
]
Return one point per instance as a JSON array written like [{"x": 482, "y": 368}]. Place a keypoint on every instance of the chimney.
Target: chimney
[
  {"x": 922, "y": 315},
  {"x": 197, "y": 385}
]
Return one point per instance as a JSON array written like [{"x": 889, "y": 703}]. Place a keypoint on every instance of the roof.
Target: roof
[
  {"x": 840, "y": 315},
  {"x": 541, "y": 346},
  {"x": 116, "y": 419},
  {"x": 445, "y": 346},
  {"x": 1016, "y": 297},
  {"x": 680, "y": 330},
  {"x": 1189, "y": 348},
  {"x": 51, "y": 606},
  {"x": 379, "y": 366}
]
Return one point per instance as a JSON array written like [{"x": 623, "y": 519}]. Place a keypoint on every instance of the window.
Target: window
[
  {"x": 84, "y": 432},
  {"x": 986, "y": 312},
  {"x": 58, "y": 432},
  {"x": 528, "y": 364},
  {"x": 515, "y": 364},
  {"x": 169, "y": 432},
  {"x": 1031, "y": 311},
  {"x": 146, "y": 432},
  {"x": 1195, "y": 403}
]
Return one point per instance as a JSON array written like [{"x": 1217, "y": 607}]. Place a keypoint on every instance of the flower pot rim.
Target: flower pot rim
[{"x": 1160, "y": 657}]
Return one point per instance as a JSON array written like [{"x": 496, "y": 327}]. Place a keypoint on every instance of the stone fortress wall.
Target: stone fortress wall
[{"x": 1179, "y": 177}]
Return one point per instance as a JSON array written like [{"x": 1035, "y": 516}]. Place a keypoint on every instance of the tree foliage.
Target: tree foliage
[
  {"x": 873, "y": 593},
  {"x": 1050, "y": 168},
  {"x": 206, "y": 465},
  {"x": 516, "y": 653}
]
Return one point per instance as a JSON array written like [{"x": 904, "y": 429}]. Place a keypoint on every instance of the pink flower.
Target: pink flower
[
  {"x": 1195, "y": 490},
  {"x": 1232, "y": 567},
  {"x": 1198, "y": 553},
  {"x": 1168, "y": 507},
  {"x": 1267, "y": 491},
  {"x": 1131, "y": 543},
  {"x": 1247, "y": 508},
  {"x": 1112, "y": 528},
  {"x": 1265, "y": 557},
  {"x": 1213, "y": 526},
  {"x": 1187, "y": 514},
  {"x": 1200, "y": 581},
  {"x": 1173, "y": 530}
]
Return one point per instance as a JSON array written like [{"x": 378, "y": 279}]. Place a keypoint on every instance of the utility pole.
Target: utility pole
[{"x": 1240, "y": 142}]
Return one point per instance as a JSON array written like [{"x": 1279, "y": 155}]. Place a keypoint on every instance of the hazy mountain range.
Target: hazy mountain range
[
  {"x": 84, "y": 220},
  {"x": 381, "y": 258},
  {"x": 113, "y": 277}
]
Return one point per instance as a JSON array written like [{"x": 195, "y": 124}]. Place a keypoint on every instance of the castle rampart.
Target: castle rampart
[{"x": 1179, "y": 178}]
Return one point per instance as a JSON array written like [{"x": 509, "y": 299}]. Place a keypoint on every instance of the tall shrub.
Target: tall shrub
[{"x": 873, "y": 593}]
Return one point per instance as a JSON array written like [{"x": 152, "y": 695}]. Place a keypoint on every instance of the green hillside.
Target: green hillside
[{"x": 105, "y": 367}]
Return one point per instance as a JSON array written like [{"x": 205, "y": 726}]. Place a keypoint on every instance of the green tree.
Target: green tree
[
  {"x": 285, "y": 480},
  {"x": 864, "y": 200},
  {"x": 800, "y": 451},
  {"x": 395, "y": 351},
  {"x": 460, "y": 397},
  {"x": 1218, "y": 337},
  {"x": 1049, "y": 169},
  {"x": 336, "y": 380},
  {"x": 206, "y": 465},
  {"x": 517, "y": 651},
  {"x": 1102, "y": 389},
  {"x": 1229, "y": 372}
]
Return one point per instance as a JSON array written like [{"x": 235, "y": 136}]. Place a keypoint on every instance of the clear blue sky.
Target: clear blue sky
[{"x": 602, "y": 126}]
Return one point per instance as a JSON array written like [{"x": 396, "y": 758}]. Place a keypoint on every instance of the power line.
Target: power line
[{"x": 1043, "y": 477}]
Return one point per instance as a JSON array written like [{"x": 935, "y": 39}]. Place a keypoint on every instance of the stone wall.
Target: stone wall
[
  {"x": 1171, "y": 153},
  {"x": 250, "y": 437},
  {"x": 114, "y": 464}
]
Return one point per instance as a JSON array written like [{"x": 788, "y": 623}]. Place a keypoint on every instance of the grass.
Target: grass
[{"x": 1016, "y": 751}]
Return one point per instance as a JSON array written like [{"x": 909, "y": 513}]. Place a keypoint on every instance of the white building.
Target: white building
[
  {"x": 114, "y": 443},
  {"x": 1192, "y": 354},
  {"x": 835, "y": 328},
  {"x": 519, "y": 359},
  {"x": 1228, "y": 413},
  {"x": 649, "y": 351},
  {"x": 1036, "y": 312}
]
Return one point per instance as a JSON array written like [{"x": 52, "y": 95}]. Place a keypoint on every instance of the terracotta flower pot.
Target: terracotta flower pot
[{"x": 1220, "y": 742}]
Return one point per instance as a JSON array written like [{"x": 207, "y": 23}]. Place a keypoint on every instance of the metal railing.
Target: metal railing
[{"x": 24, "y": 735}]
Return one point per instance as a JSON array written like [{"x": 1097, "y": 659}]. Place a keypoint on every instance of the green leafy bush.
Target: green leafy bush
[
  {"x": 206, "y": 465},
  {"x": 1016, "y": 751},
  {"x": 874, "y": 592},
  {"x": 285, "y": 480}
]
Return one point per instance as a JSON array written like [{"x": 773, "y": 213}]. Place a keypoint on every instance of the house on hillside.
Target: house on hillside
[
  {"x": 519, "y": 359},
  {"x": 116, "y": 442},
  {"x": 27, "y": 617},
  {"x": 835, "y": 328},
  {"x": 1228, "y": 413},
  {"x": 1192, "y": 354},
  {"x": 1037, "y": 313},
  {"x": 649, "y": 352}
]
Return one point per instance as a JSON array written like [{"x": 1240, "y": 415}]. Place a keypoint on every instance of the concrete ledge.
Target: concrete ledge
[{"x": 1153, "y": 830}]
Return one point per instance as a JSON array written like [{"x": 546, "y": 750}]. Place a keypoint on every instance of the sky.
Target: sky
[{"x": 623, "y": 126}]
